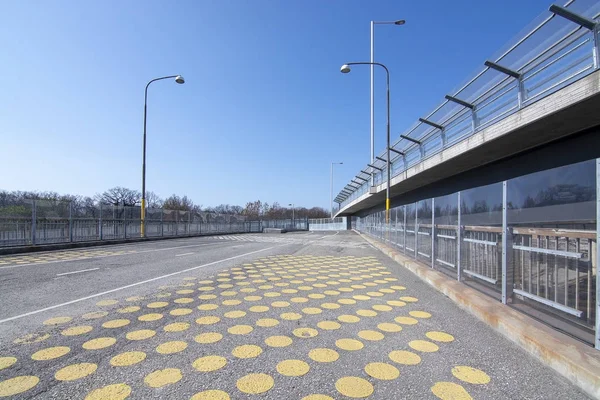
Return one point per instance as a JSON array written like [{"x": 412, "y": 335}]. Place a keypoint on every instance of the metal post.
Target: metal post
[
  {"x": 520, "y": 92},
  {"x": 404, "y": 231},
  {"x": 432, "y": 233},
  {"x": 596, "y": 50},
  {"x": 70, "y": 221},
  {"x": 416, "y": 229},
  {"x": 506, "y": 249},
  {"x": 597, "y": 341},
  {"x": 372, "y": 99},
  {"x": 100, "y": 222},
  {"x": 33, "y": 222},
  {"x": 458, "y": 240}
]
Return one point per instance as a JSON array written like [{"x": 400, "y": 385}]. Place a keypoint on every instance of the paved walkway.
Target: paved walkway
[{"x": 311, "y": 322}]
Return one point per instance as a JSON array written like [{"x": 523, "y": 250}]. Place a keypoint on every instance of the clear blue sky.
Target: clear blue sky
[{"x": 264, "y": 109}]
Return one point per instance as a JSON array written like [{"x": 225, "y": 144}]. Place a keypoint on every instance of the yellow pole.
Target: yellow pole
[{"x": 143, "y": 215}]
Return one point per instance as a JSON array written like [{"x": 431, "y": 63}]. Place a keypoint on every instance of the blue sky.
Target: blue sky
[{"x": 264, "y": 109}]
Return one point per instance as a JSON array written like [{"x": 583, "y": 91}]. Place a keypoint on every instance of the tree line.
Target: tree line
[{"x": 13, "y": 201}]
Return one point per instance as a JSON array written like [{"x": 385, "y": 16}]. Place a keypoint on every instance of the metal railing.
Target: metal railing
[
  {"x": 530, "y": 242},
  {"x": 552, "y": 55},
  {"x": 327, "y": 224}
]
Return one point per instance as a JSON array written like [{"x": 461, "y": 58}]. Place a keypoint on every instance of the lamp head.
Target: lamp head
[
  {"x": 345, "y": 69},
  {"x": 179, "y": 79}
]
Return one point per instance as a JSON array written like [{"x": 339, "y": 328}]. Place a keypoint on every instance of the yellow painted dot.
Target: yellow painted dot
[
  {"x": 389, "y": 327},
  {"x": 278, "y": 341},
  {"x": 99, "y": 343},
  {"x": 208, "y": 337},
  {"x": 470, "y": 375},
  {"x": 330, "y": 306},
  {"x": 32, "y": 338},
  {"x": 440, "y": 336},
  {"x": 102, "y": 303},
  {"x": 6, "y": 362},
  {"x": 228, "y": 293},
  {"x": 382, "y": 307},
  {"x": 207, "y": 296},
  {"x": 396, "y": 303},
  {"x": 247, "y": 351},
  {"x": 346, "y": 301},
  {"x": 209, "y": 363},
  {"x": 50, "y": 353},
  {"x": 206, "y": 288},
  {"x": 118, "y": 391},
  {"x": 450, "y": 391},
  {"x": 57, "y": 320},
  {"x": 95, "y": 315},
  {"x": 299, "y": 300},
  {"x": 163, "y": 295},
  {"x": 185, "y": 291},
  {"x": 255, "y": 383},
  {"x": 141, "y": 334},
  {"x": 176, "y": 327},
  {"x": 387, "y": 290},
  {"x": 267, "y": 322},
  {"x": 375, "y": 294},
  {"x": 371, "y": 335},
  {"x": 346, "y": 289},
  {"x": 240, "y": 329},
  {"x": 291, "y": 316},
  {"x": 128, "y": 358},
  {"x": 424, "y": 346},
  {"x": 163, "y": 377},
  {"x": 397, "y": 287},
  {"x": 211, "y": 395},
  {"x": 316, "y": 296},
  {"x": 361, "y": 297},
  {"x": 409, "y": 299},
  {"x": 293, "y": 368},
  {"x": 175, "y": 346},
  {"x": 272, "y": 294},
  {"x": 129, "y": 309},
  {"x": 231, "y": 302},
  {"x": 150, "y": 317},
  {"x": 208, "y": 320},
  {"x": 351, "y": 319},
  {"x": 406, "y": 320},
  {"x": 323, "y": 355},
  {"x": 305, "y": 332},
  {"x": 328, "y": 325},
  {"x": 76, "y": 330},
  {"x": 116, "y": 323},
  {"x": 349, "y": 344},
  {"x": 404, "y": 357},
  {"x": 253, "y": 298},
  {"x": 317, "y": 397},
  {"x": 259, "y": 309},
  {"x": 382, "y": 371},
  {"x": 247, "y": 290},
  {"x": 289, "y": 291},
  {"x": 354, "y": 387},
  {"x": 235, "y": 314},
  {"x": 366, "y": 313},
  {"x": 207, "y": 307},
  {"x": 420, "y": 314},
  {"x": 280, "y": 304},
  {"x": 157, "y": 304},
  {"x": 183, "y": 300},
  {"x": 312, "y": 310},
  {"x": 17, "y": 385},
  {"x": 75, "y": 371}
]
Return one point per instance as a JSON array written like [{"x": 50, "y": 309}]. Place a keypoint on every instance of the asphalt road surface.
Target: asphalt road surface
[{"x": 308, "y": 316}]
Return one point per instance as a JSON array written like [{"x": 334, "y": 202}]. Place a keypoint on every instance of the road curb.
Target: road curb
[
  {"x": 574, "y": 360},
  {"x": 95, "y": 243}
]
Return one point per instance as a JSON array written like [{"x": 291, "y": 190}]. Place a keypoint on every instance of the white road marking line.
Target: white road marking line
[
  {"x": 184, "y": 254},
  {"x": 105, "y": 255},
  {"x": 131, "y": 285},
  {"x": 77, "y": 272}
]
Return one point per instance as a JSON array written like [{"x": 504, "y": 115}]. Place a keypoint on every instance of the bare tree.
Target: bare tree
[
  {"x": 119, "y": 196},
  {"x": 153, "y": 200}
]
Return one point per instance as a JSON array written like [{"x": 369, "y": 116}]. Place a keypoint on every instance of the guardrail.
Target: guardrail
[{"x": 552, "y": 55}]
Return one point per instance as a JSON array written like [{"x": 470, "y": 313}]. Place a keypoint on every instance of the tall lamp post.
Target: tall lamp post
[
  {"x": 346, "y": 69},
  {"x": 373, "y": 23},
  {"x": 331, "y": 185},
  {"x": 293, "y": 216},
  {"x": 179, "y": 79}
]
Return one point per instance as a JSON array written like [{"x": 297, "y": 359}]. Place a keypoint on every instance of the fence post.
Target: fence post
[
  {"x": 507, "y": 269},
  {"x": 432, "y": 232},
  {"x": 597, "y": 341},
  {"x": 33, "y": 222},
  {"x": 416, "y": 230},
  {"x": 458, "y": 240},
  {"x": 100, "y": 222},
  {"x": 162, "y": 225},
  {"x": 404, "y": 231},
  {"x": 70, "y": 221}
]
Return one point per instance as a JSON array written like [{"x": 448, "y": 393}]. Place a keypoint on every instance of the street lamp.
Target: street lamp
[
  {"x": 179, "y": 79},
  {"x": 331, "y": 184},
  {"x": 346, "y": 69},
  {"x": 293, "y": 217},
  {"x": 373, "y": 23}
]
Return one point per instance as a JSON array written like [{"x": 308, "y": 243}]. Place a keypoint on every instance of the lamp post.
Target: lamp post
[
  {"x": 179, "y": 79},
  {"x": 331, "y": 185},
  {"x": 293, "y": 216},
  {"x": 346, "y": 69},
  {"x": 373, "y": 23}
]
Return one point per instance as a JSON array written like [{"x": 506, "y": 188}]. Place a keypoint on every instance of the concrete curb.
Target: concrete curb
[
  {"x": 95, "y": 243},
  {"x": 574, "y": 360}
]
